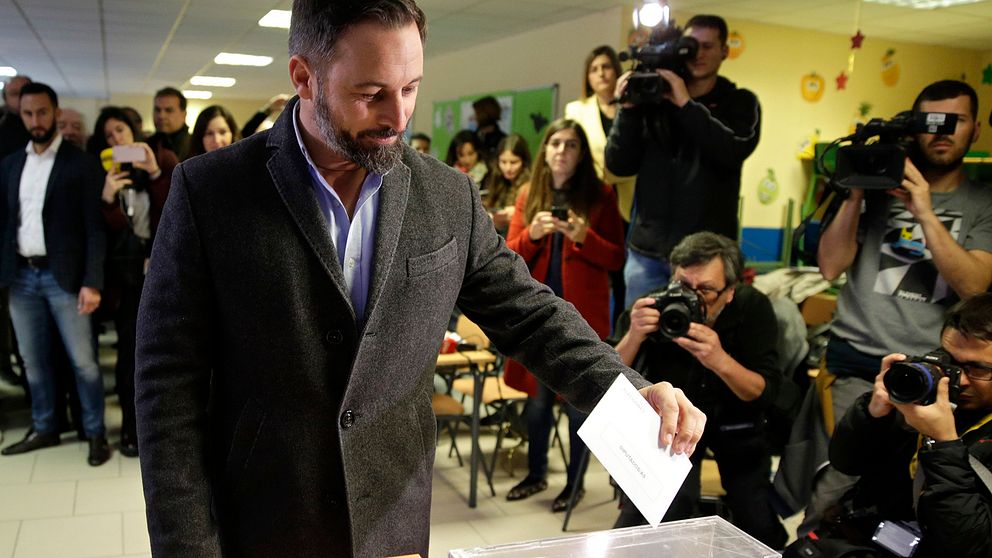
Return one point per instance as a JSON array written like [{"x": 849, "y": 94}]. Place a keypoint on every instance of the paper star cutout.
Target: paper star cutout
[
  {"x": 987, "y": 75},
  {"x": 857, "y": 39},
  {"x": 842, "y": 82}
]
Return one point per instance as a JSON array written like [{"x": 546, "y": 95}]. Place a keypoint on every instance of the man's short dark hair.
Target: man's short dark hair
[
  {"x": 699, "y": 248},
  {"x": 172, "y": 92},
  {"x": 712, "y": 22},
  {"x": 420, "y": 136},
  {"x": 35, "y": 88},
  {"x": 972, "y": 317},
  {"x": 316, "y": 25},
  {"x": 487, "y": 110},
  {"x": 948, "y": 89}
]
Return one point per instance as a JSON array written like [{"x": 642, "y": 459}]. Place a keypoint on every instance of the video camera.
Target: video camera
[
  {"x": 666, "y": 49},
  {"x": 915, "y": 379},
  {"x": 879, "y": 165},
  {"x": 679, "y": 307}
]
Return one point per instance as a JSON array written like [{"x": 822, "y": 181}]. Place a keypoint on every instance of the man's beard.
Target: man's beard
[
  {"x": 943, "y": 164},
  {"x": 45, "y": 136},
  {"x": 378, "y": 159}
]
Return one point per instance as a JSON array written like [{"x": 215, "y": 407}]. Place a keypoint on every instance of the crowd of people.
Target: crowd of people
[{"x": 272, "y": 299}]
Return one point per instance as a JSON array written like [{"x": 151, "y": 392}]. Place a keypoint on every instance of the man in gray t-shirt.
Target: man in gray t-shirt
[{"x": 909, "y": 254}]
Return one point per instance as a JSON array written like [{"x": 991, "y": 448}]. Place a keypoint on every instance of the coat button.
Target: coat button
[
  {"x": 348, "y": 419},
  {"x": 334, "y": 337}
]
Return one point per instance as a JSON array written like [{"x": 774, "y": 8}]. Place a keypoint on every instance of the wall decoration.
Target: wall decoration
[
  {"x": 857, "y": 39},
  {"x": 890, "y": 69},
  {"x": 768, "y": 188},
  {"x": 811, "y": 86},
  {"x": 807, "y": 147},
  {"x": 841, "y": 81},
  {"x": 735, "y": 45},
  {"x": 864, "y": 109},
  {"x": 987, "y": 75}
]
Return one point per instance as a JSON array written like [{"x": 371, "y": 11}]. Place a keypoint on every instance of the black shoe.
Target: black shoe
[
  {"x": 527, "y": 487},
  {"x": 99, "y": 451},
  {"x": 561, "y": 501},
  {"x": 31, "y": 442},
  {"x": 129, "y": 445}
]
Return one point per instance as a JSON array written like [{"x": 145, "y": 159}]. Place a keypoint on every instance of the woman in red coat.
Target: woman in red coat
[{"x": 567, "y": 228}]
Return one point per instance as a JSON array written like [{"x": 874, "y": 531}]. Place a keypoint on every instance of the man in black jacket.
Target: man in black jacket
[
  {"x": 927, "y": 446},
  {"x": 51, "y": 258},
  {"x": 728, "y": 366},
  {"x": 687, "y": 152}
]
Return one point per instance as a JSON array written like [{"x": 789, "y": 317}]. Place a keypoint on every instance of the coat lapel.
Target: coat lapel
[
  {"x": 393, "y": 198},
  {"x": 290, "y": 174}
]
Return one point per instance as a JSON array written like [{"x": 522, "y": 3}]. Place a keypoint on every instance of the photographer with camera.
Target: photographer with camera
[
  {"x": 909, "y": 253},
  {"x": 716, "y": 340},
  {"x": 915, "y": 449},
  {"x": 684, "y": 131}
]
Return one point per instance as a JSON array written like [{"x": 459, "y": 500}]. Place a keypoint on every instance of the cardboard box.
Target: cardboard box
[{"x": 819, "y": 309}]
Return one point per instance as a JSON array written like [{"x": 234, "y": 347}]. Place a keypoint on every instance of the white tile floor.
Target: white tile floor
[{"x": 54, "y": 505}]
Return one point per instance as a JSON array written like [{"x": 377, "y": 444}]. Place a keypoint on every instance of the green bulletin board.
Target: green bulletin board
[{"x": 525, "y": 111}]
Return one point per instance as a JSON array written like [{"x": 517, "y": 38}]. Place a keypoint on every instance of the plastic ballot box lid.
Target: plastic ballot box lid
[{"x": 710, "y": 537}]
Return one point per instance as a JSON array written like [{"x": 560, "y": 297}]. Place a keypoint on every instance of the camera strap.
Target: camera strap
[
  {"x": 981, "y": 470},
  {"x": 806, "y": 237}
]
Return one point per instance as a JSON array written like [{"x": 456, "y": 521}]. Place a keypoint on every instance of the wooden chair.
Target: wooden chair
[
  {"x": 450, "y": 413},
  {"x": 711, "y": 490}
]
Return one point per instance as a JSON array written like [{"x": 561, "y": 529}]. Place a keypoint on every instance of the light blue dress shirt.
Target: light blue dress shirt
[{"x": 354, "y": 238}]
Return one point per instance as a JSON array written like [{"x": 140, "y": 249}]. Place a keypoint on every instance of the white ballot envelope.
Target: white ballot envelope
[{"x": 622, "y": 432}]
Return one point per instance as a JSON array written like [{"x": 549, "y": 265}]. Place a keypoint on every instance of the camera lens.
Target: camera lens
[
  {"x": 911, "y": 382},
  {"x": 675, "y": 320}
]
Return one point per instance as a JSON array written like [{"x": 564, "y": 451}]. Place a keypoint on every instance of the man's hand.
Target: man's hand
[
  {"x": 622, "y": 86},
  {"x": 89, "y": 299},
  {"x": 880, "y": 405},
  {"x": 682, "y": 423},
  {"x": 644, "y": 318},
  {"x": 704, "y": 344},
  {"x": 679, "y": 93},
  {"x": 915, "y": 192},
  {"x": 935, "y": 420}
]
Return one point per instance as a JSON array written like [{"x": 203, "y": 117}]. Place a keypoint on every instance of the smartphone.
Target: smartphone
[
  {"x": 560, "y": 212},
  {"x": 128, "y": 153}
]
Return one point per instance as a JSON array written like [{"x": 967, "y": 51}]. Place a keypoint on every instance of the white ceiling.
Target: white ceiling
[{"x": 88, "y": 48}]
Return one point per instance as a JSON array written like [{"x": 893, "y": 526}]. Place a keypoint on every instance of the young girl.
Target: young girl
[
  {"x": 503, "y": 185},
  {"x": 567, "y": 228},
  {"x": 465, "y": 154}
]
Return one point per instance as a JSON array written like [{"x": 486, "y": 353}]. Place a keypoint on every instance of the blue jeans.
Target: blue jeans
[
  {"x": 539, "y": 422},
  {"x": 643, "y": 274},
  {"x": 33, "y": 295}
]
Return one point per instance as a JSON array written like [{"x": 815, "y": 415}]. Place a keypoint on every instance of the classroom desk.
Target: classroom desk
[{"x": 477, "y": 363}]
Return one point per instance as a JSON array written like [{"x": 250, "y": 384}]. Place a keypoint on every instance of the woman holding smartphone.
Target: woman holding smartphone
[
  {"x": 133, "y": 196},
  {"x": 503, "y": 183},
  {"x": 567, "y": 228}
]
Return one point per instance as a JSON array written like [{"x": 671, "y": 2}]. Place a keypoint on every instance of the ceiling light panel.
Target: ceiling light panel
[
  {"x": 212, "y": 81},
  {"x": 235, "y": 59},
  {"x": 276, "y": 18}
]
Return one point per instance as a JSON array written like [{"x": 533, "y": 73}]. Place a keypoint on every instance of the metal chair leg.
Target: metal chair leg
[{"x": 575, "y": 490}]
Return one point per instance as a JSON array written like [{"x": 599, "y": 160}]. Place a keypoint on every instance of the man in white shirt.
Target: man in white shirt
[{"x": 51, "y": 258}]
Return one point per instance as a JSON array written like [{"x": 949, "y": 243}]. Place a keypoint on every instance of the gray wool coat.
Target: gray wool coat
[{"x": 269, "y": 424}]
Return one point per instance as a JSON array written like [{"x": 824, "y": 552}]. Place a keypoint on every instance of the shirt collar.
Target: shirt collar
[{"x": 52, "y": 149}]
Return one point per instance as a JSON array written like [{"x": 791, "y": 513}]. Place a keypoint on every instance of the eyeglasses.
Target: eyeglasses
[
  {"x": 978, "y": 372},
  {"x": 709, "y": 294}
]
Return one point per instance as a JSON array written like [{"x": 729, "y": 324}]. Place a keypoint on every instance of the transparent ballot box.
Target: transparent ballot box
[{"x": 707, "y": 537}]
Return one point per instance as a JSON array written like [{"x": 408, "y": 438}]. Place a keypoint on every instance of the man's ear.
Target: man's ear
[
  {"x": 977, "y": 132},
  {"x": 302, "y": 77},
  {"x": 724, "y": 51}
]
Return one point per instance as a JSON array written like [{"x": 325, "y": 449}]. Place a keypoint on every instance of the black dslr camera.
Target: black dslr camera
[
  {"x": 679, "y": 307},
  {"x": 879, "y": 165},
  {"x": 915, "y": 379},
  {"x": 667, "y": 49}
]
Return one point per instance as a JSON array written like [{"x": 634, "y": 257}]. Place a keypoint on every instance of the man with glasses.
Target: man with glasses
[
  {"x": 728, "y": 367},
  {"x": 911, "y": 455}
]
